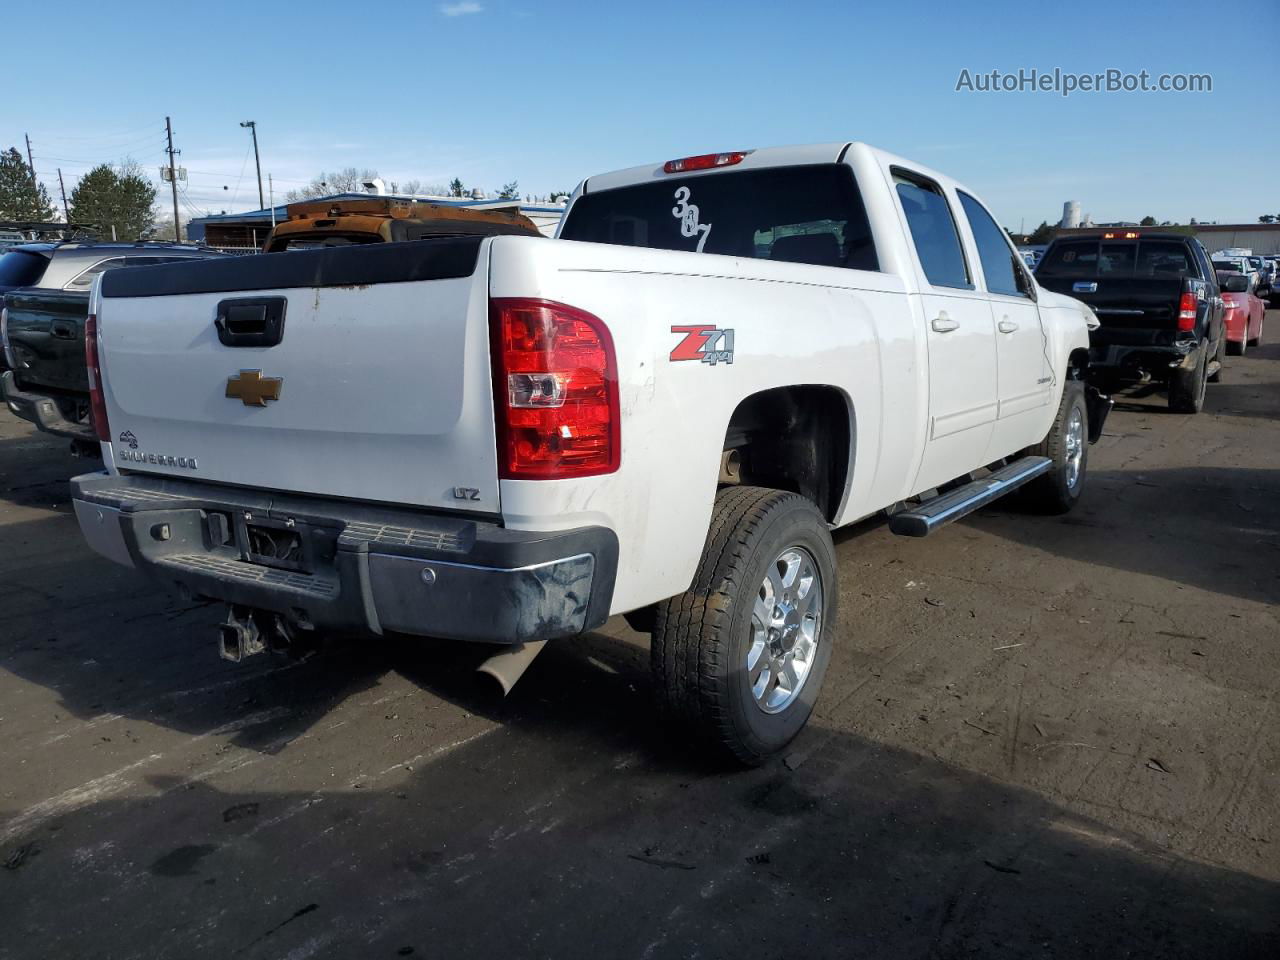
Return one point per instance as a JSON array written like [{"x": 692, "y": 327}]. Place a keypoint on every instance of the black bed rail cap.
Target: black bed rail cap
[{"x": 441, "y": 258}]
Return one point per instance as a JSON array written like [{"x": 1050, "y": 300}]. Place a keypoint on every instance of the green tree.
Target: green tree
[
  {"x": 1042, "y": 234},
  {"x": 1147, "y": 222},
  {"x": 117, "y": 197},
  {"x": 456, "y": 189},
  {"x": 22, "y": 197},
  {"x": 1267, "y": 218},
  {"x": 510, "y": 191}
]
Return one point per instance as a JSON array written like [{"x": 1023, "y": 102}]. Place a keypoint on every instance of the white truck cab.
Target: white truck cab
[{"x": 663, "y": 413}]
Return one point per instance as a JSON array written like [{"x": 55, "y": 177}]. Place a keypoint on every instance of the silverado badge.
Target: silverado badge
[{"x": 253, "y": 389}]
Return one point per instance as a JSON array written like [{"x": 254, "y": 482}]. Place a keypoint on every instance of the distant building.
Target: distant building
[
  {"x": 247, "y": 231},
  {"x": 1070, "y": 215},
  {"x": 1262, "y": 238}
]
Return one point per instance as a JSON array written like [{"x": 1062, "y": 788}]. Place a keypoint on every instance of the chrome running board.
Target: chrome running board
[{"x": 925, "y": 517}]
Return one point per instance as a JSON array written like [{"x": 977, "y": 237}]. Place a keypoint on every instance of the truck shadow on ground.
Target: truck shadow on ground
[
  {"x": 1213, "y": 528},
  {"x": 1239, "y": 393},
  {"x": 576, "y": 830},
  {"x": 38, "y": 468}
]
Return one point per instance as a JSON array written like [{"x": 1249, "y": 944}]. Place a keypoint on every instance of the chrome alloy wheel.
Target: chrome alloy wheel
[
  {"x": 1075, "y": 447},
  {"x": 786, "y": 625}
]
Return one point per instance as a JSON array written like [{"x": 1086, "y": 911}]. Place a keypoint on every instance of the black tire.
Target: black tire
[
  {"x": 1054, "y": 492},
  {"x": 1257, "y": 341},
  {"x": 1186, "y": 387},
  {"x": 1236, "y": 349},
  {"x": 702, "y": 637}
]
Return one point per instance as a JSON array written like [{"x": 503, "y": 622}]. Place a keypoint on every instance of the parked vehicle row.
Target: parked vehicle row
[{"x": 1169, "y": 310}]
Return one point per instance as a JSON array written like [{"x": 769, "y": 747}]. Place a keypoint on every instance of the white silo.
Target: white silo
[{"x": 1070, "y": 214}]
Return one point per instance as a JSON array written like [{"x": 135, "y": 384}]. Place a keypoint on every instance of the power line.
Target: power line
[
  {"x": 118, "y": 148},
  {"x": 123, "y": 134}
]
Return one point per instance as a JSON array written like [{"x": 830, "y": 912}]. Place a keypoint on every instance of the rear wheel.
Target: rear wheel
[
  {"x": 1256, "y": 341},
  {"x": 1067, "y": 445},
  {"x": 1186, "y": 387},
  {"x": 738, "y": 660},
  {"x": 1236, "y": 348}
]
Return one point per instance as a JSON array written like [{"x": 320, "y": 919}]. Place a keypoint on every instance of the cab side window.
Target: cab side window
[
  {"x": 933, "y": 231},
  {"x": 999, "y": 261}
]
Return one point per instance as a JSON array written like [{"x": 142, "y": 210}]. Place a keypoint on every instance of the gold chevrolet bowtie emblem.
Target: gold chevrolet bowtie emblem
[{"x": 253, "y": 389}]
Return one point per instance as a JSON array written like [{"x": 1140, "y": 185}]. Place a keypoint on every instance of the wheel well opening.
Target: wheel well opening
[
  {"x": 792, "y": 438},
  {"x": 1078, "y": 364}
]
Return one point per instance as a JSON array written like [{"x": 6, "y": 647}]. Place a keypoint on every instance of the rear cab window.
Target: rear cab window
[
  {"x": 803, "y": 214},
  {"x": 933, "y": 231},
  {"x": 21, "y": 268},
  {"x": 1094, "y": 257}
]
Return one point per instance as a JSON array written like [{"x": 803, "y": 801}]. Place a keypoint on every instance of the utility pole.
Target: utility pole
[
  {"x": 173, "y": 181},
  {"x": 63, "y": 187},
  {"x": 272, "y": 184},
  {"x": 31, "y": 164},
  {"x": 253, "y": 128}
]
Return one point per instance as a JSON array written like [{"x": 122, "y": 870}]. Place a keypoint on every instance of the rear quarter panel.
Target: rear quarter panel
[{"x": 792, "y": 324}]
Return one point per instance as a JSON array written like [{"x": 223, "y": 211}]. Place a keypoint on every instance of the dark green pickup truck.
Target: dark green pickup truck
[{"x": 42, "y": 326}]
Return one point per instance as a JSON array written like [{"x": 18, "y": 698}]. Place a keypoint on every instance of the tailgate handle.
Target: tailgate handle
[
  {"x": 63, "y": 329},
  {"x": 251, "y": 321}
]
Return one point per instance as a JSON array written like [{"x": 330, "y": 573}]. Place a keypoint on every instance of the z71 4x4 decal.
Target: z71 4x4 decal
[{"x": 704, "y": 343}]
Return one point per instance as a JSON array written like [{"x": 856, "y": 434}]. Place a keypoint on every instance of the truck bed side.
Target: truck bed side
[{"x": 851, "y": 330}]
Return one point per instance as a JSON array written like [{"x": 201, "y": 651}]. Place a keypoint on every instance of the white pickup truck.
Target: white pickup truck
[{"x": 663, "y": 413}]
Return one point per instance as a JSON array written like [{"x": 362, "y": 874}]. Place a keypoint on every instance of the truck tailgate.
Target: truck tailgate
[
  {"x": 382, "y": 369},
  {"x": 46, "y": 335},
  {"x": 1147, "y": 303}
]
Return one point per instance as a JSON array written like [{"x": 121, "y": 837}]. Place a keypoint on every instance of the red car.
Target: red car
[{"x": 1244, "y": 312}]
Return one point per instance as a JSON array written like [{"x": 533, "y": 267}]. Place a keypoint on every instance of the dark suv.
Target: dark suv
[
  {"x": 45, "y": 291},
  {"x": 1157, "y": 299}
]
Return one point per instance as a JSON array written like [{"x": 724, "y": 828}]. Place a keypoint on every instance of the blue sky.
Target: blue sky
[{"x": 547, "y": 93}]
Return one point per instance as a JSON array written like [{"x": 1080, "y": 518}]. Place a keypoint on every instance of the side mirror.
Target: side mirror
[{"x": 1236, "y": 283}]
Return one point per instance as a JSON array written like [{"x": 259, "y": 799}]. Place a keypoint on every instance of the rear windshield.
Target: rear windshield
[
  {"x": 1129, "y": 258},
  {"x": 807, "y": 214},
  {"x": 18, "y": 268}
]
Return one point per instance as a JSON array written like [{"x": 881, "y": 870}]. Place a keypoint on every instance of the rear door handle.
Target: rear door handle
[
  {"x": 1007, "y": 326},
  {"x": 944, "y": 324},
  {"x": 63, "y": 329}
]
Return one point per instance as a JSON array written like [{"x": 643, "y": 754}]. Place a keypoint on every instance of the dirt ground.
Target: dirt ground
[{"x": 1039, "y": 737}]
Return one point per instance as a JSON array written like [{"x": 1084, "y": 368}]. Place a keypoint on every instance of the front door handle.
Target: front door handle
[
  {"x": 944, "y": 324},
  {"x": 63, "y": 329},
  {"x": 1007, "y": 326}
]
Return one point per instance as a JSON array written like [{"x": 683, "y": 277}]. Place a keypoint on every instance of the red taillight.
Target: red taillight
[
  {"x": 1187, "y": 311},
  {"x": 97, "y": 402},
  {"x": 555, "y": 386},
  {"x": 704, "y": 161}
]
